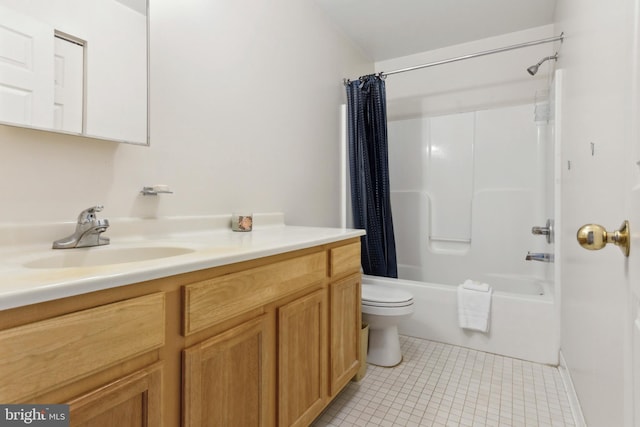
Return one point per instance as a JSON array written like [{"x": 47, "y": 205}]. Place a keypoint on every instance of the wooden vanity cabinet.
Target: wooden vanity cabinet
[
  {"x": 303, "y": 353},
  {"x": 104, "y": 356},
  {"x": 226, "y": 378},
  {"x": 132, "y": 401},
  {"x": 302, "y": 359},
  {"x": 265, "y": 342},
  {"x": 345, "y": 328}
]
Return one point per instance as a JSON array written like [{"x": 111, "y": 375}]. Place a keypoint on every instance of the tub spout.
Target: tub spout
[{"x": 536, "y": 256}]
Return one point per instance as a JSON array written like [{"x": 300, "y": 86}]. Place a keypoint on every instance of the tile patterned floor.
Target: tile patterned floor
[{"x": 444, "y": 385}]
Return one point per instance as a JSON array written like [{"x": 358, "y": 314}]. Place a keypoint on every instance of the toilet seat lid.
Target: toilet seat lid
[
  {"x": 386, "y": 304},
  {"x": 385, "y": 296}
]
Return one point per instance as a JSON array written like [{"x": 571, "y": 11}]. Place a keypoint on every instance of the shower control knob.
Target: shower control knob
[
  {"x": 594, "y": 237},
  {"x": 544, "y": 231}
]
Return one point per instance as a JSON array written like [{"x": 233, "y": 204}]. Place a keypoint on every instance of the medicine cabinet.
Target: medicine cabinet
[{"x": 76, "y": 67}]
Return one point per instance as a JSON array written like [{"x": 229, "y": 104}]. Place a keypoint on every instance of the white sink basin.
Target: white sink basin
[{"x": 104, "y": 255}]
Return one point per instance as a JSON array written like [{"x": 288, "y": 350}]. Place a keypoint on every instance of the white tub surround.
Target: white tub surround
[
  {"x": 523, "y": 325},
  {"x": 205, "y": 241},
  {"x": 466, "y": 190}
]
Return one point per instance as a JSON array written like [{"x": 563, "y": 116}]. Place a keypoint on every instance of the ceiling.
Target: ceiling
[{"x": 390, "y": 29}]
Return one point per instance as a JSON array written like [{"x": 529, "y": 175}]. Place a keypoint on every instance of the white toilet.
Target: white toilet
[{"x": 383, "y": 308}]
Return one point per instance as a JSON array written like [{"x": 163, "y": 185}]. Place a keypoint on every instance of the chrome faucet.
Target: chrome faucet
[
  {"x": 88, "y": 231},
  {"x": 543, "y": 257}
]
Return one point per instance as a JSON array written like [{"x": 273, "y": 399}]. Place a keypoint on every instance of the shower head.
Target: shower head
[{"x": 534, "y": 68}]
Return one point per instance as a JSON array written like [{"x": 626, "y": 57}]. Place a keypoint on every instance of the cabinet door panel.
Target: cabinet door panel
[
  {"x": 225, "y": 378},
  {"x": 345, "y": 320},
  {"x": 211, "y": 301},
  {"x": 302, "y": 359},
  {"x": 41, "y": 356},
  {"x": 345, "y": 259},
  {"x": 134, "y": 400}
]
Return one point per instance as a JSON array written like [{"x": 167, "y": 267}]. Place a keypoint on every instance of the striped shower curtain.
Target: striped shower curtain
[{"x": 369, "y": 174}]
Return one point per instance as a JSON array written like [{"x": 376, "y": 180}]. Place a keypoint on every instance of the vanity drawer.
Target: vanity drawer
[
  {"x": 345, "y": 259},
  {"x": 48, "y": 354},
  {"x": 212, "y": 301}
]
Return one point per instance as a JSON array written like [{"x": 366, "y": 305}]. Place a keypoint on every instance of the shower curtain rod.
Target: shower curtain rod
[{"x": 472, "y": 55}]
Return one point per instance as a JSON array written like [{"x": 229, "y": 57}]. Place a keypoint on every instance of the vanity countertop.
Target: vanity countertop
[{"x": 21, "y": 285}]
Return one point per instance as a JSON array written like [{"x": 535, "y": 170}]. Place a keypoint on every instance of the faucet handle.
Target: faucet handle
[
  {"x": 89, "y": 214},
  {"x": 545, "y": 231}
]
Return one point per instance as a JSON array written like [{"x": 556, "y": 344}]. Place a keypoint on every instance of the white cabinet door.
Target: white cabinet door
[
  {"x": 69, "y": 66},
  {"x": 26, "y": 70}
]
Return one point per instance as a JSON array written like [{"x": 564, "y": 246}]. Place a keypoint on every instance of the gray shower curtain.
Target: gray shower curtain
[{"x": 369, "y": 174}]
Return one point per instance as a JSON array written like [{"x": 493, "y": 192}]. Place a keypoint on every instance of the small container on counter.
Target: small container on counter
[{"x": 241, "y": 221}]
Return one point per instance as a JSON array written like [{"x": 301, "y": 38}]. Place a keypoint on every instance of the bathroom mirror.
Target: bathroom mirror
[{"x": 76, "y": 67}]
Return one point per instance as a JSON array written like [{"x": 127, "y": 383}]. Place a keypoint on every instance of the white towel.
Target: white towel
[
  {"x": 476, "y": 286},
  {"x": 474, "y": 305}
]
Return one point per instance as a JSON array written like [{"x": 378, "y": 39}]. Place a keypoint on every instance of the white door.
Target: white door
[
  {"x": 600, "y": 290},
  {"x": 69, "y": 72},
  {"x": 600, "y": 318},
  {"x": 600, "y": 323},
  {"x": 633, "y": 283},
  {"x": 632, "y": 348},
  {"x": 26, "y": 70}
]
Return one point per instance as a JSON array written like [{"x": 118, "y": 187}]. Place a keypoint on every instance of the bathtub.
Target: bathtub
[{"x": 524, "y": 318}]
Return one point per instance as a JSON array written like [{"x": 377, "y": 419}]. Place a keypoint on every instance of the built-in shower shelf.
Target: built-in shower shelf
[
  {"x": 449, "y": 245},
  {"x": 448, "y": 239}
]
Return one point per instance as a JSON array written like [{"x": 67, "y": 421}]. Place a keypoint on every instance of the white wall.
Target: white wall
[
  {"x": 596, "y": 62},
  {"x": 244, "y": 115}
]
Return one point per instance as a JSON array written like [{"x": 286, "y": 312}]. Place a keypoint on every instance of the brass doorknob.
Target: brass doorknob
[{"x": 594, "y": 237}]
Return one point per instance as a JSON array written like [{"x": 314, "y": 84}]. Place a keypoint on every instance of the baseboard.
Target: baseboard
[{"x": 574, "y": 403}]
